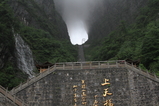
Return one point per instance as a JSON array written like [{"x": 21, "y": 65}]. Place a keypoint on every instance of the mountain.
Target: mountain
[
  {"x": 120, "y": 29},
  {"x": 110, "y": 13},
  {"x": 41, "y": 28},
  {"x": 128, "y": 29}
]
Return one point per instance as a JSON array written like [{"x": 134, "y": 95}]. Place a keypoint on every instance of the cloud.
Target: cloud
[{"x": 77, "y": 15}]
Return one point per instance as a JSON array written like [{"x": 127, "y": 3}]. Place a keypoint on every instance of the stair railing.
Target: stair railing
[
  {"x": 10, "y": 97},
  {"x": 78, "y": 66}
]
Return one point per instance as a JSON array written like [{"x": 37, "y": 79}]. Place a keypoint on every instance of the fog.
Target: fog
[{"x": 77, "y": 15}]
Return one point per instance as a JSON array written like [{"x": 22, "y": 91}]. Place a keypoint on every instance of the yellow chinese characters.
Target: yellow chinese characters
[
  {"x": 74, "y": 88},
  {"x": 75, "y": 94},
  {"x": 105, "y": 82},
  {"x": 106, "y": 92},
  {"x": 84, "y": 93},
  {"x": 83, "y": 84},
  {"x": 108, "y": 103},
  {"x": 95, "y": 101}
]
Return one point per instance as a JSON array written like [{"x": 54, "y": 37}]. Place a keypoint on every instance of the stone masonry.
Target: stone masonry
[
  {"x": 5, "y": 101},
  {"x": 128, "y": 88}
]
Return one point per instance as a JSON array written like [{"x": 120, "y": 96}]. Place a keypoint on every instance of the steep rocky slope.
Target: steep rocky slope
[
  {"x": 40, "y": 14},
  {"x": 41, "y": 27},
  {"x": 110, "y": 14},
  {"x": 130, "y": 31}
]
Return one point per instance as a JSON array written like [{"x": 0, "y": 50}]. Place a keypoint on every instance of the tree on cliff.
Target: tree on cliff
[
  {"x": 138, "y": 41},
  {"x": 47, "y": 44}
]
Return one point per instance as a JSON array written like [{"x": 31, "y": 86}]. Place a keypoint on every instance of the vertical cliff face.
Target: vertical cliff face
[
  {"x": 24, "y": 56},
  {"x": 40, "y": 14},
  {"x": 47, "y": 6},
  {"x": 40, "y": 27},
  {"x": 41, "y": 24},
  {"x": 6, "y": 38}
]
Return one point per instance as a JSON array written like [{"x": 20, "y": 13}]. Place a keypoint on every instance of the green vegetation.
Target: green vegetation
[
  {"x": 138, "y": 41},
  {"x": 47, "y": 48},
  {"x": 48, "y": 40},
  {"x": 6, "y": 23},
  {"x": 9, "y": 75}
]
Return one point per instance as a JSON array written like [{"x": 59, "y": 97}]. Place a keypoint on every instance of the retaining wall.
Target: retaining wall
[
  {"x": 128, "y": 88},
  {"x": 5, "y": 101}
]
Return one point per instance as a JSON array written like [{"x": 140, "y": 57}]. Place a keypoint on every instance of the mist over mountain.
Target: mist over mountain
[
  {"x": 78, "y": 16},
  {"x": 42, "y": 30},
  {"x": 111, "y": 13},
  {"x": 94, "y": 16},
  {"x": 115, "y": 29},
  {"x": 128, "y": 29}
]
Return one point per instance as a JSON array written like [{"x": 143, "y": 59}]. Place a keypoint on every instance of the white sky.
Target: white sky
[
  {"x": 77, "y": 32},
  {"x": 76, "y": 14}
]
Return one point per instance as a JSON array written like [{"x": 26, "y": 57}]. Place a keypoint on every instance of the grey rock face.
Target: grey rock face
[
  {"x": 40, "y": 14},
  {"x": 111, "y": 13},
  {"x": 47, "y": 5},
  {"x": 24, "y": 56}
]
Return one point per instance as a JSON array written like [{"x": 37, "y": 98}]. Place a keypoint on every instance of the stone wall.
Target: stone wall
[
  {"x": 143, "y": 91},
  {"x": 128, "y": 88},
  {"x": 5, "y": 101}
]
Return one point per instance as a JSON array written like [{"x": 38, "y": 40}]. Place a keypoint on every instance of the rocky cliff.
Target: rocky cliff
[
  {"x": 41, "y": 27},
  {"x": 40, "y": 14},
  {"x": 134, "y": 33},
  {"x": 111, "y": 13}
]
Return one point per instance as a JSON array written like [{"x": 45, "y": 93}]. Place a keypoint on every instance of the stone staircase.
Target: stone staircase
[
  {"x": 6, "y": 99},
  {"x": 84, "y": 65}
]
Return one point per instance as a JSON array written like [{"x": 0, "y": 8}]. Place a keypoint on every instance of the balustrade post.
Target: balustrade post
[
  {"x": 72, "y": 66},
  {"x": 90, "y": 65},
  {"x": 155, "y": 76},
  {"x": 108, "y": 64},
  {"x": 48, "y": 71},
  {"x": 14, "y": 98},
  {"x": 63, "y": 66},
  {"x": 42, "y": 75},
  {"x": 27, "y": 82},
  {"x": 99, "y": 65},
  {"x": 13, "y": 91},
  {"x": 148, "y": 74},
  {"x": 6, "y": 94},
  {"x": 23, "y": 103},
  {"x": 132, "y": 64},
  {"x": 125, "y": 63},
  {"x": 81, "y": 65},
  {"x": 117, "y": 63},
  {"x": 21, "y": 85},
  {"x": 139, "y": 68},
  {"x": 48, "y": 68},
  {"x": 55, "y": 66}
]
